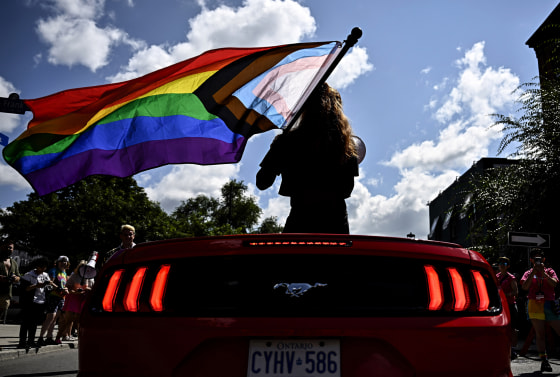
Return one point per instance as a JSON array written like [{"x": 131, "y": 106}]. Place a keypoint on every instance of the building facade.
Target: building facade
[{"x": 451, "y": 213}]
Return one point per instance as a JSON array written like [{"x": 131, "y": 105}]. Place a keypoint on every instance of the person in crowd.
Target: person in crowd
[
  {"x": 32, "y": 301},
  {"x": 78, "y": 287},
  {"x": 508, "y": 282},
  {"x": 318, "y": 161},
  {"x": 540, "y": 282},
  {"x": 127, "y": 235},
  {"x": 55, "y": 299},
  {"x": 9, "y": 275}
]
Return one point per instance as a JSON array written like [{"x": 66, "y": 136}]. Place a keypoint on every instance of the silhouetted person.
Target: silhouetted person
[{"x": 317, "y": 160}]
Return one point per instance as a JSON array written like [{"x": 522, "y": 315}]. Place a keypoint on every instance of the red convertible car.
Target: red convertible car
[{"x": 281, "y": 305}]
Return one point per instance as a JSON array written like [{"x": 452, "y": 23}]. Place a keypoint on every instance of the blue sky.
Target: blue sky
[{"x": 418, "y": 87}]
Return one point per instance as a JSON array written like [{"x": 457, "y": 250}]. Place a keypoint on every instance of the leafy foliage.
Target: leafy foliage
[
  {"x": 233, "y": 213},
  {"x": 87, "y": 217},
  {"x": 524, "y": 196},
  {"x": 84, "y": 217}
]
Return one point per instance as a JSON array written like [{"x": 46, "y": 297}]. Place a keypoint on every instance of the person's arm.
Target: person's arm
[
  {"x": 550, "y": 277},
  {"x": 265, "y": 179},
  {"x": 35, "y": 286},
  {"x": 32, "y": 285},
  {"x": 526, "y": 284},
  {"x": 514, "y": 289},
  {"x": 269, "y": 166}
]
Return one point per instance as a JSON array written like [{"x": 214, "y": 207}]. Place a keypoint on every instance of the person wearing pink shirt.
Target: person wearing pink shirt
[
  {"x": 540, "y": 282},
  {"x": 508, "y": 282}
]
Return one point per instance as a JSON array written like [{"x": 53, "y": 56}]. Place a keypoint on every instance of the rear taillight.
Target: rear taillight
[
  {"x": 133, "y": 290},
  {"x": 434, "y": 288},
  {"x": 460, "y": 293},
  {"x": 482, "y": 291},
  {"x": 131, "y": 300},
  {"x": 111, "y": 292},
  {"x": 450, "y": 289},
  {"x": 158, "y": 289}
]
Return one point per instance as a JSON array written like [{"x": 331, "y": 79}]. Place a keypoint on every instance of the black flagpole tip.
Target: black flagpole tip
[{"x": 355, "y": 34}]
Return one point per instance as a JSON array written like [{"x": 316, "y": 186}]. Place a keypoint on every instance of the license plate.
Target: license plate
[{"x": 294, "y": 357}]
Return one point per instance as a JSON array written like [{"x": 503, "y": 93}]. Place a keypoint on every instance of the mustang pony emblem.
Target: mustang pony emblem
[{"x": 297, "y": 289}]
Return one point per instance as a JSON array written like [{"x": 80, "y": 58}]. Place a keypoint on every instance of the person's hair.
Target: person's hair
[
  {"x": 40, "y": 262},
  {"x": 503, "y": 260},
  {"x": 6, "y": 242},
  {"x": 82, "y": 263},
  {"x": 536, "y": 252},
  {"x": 128, "y": 227},
  {"x": 325, "y": 122}
]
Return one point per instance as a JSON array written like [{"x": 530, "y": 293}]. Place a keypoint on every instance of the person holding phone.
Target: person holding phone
[
  {"x": 33, "y": 301},
  {"x": 540, "y": 282}
]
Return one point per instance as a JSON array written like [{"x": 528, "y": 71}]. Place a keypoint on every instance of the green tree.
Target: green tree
[
  {"x": 524, "y": 196},
  {"x": 233, "y": 213},
  {"x": 237, "y": 210},
  {"x": 270, "y": 225},
  {"x": 84, "y": 217},
  {"x": 196, "y": 216}
]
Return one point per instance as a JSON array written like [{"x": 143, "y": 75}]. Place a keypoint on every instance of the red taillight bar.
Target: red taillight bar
[
  {"x": 481, "y": 290},
  {"x": 460, "y": 291},
  {"x": 111, "y": 292},
  {"x": 460, "y": 301},
  {"x": 158, "y": 289},
  {"x": 434, "y": 288},
  {"x": 298, "y": 243},
  {"x": 133, "y": 290}
]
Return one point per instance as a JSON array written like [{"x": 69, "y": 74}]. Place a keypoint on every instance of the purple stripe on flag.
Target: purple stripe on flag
[{"x": 134, "y": 159}]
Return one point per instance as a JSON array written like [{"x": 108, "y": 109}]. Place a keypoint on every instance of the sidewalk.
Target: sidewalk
[{"x": 9, "y": 339}]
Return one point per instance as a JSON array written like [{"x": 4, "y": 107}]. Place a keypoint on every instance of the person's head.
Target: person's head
[
  {"x": 6, "y": 249},
  {"x": 40, "y": 265},
  {"x": 503, "y": 264},
  {"x": 127, "y": 235},
  {"x": 537, "y": 256},
  {"x": 323, "y": 116},
  {"x": 63, "y": 262},
  {"x": 82, "y": 263}
]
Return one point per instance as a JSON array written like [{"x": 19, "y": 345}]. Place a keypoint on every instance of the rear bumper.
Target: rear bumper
[{"x": 194, "y": 347}]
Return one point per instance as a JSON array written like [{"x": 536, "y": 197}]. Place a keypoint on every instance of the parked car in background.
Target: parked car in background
[{"x": 295, "y": 305}]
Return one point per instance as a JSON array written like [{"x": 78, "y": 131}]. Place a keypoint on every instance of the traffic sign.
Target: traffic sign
[{"x": 529, "y": 239}]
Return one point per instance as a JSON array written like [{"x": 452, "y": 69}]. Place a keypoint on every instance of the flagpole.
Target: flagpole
[{"x": 350, "y": 41}]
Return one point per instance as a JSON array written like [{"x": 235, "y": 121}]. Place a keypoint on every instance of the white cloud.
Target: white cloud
[
  {"x": 10, "y": 177},
  {"x": 404, "y": 212},
  {"x": 8, "y": 122},
  {"x": 75, "y": 38},
  {"x": 187, "y": 181},
  {"x": 78, "y": 41},
  {"x": 353, "y": 65},
  {"x": 89, "y": 9},
  {"x": 479, "y": 91},
  {"x": 430, "y": 166},
  {"x": 466, "y": 116},
  {"x": 254, "y": 23}
]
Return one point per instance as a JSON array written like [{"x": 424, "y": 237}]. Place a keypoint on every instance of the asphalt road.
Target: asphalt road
[
  {"x": 62, "y": 363},
  {"x": 531, "y": 366}
]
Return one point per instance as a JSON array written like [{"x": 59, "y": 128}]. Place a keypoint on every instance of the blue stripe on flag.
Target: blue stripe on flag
[{"x": 4, "y": 139}]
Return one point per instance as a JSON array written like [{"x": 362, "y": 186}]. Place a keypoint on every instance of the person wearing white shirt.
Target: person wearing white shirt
[{"x": 33, "y": 301}]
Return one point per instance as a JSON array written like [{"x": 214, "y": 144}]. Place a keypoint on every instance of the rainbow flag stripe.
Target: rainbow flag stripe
[{"x": 200, "y": 111}]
